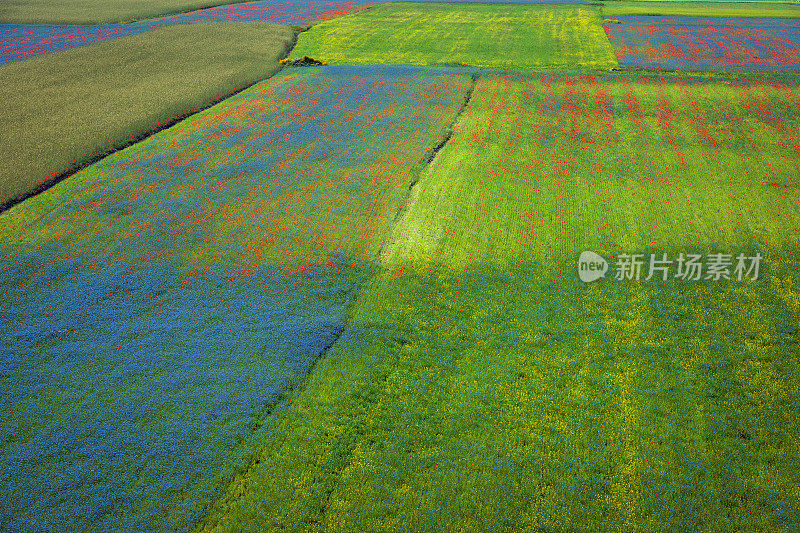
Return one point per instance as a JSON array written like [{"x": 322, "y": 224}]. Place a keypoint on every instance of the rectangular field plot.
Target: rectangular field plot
[
  {"x": 541, "y": 168},
  {"x": 505, "y": 36},
  {"x": 758, "y": 9},
  {"x": 703, "y": 43},
  {"x": 158, "y": 304},
  {"x": 503, "y": 399}
]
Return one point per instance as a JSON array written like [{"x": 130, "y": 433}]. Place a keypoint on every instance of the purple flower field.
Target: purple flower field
[{"x": 703, "y": 43}]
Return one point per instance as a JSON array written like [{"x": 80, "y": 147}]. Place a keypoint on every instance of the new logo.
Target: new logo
[{"x": 591, "y": 266}]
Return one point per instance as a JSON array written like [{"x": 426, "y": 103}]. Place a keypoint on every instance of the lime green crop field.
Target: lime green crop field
[
  {"x": 486, "y": 35},
  {"x": 82, "y": 103}
]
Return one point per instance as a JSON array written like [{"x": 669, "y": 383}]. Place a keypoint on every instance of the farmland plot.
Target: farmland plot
[
  {"x": 116, "y": 11},
  {"x": 513, "y": 399},
  {"x": 301, "y": 12},
  {"x": 611, "y": 164},
  {"x": 504, "y": 36},
  {"x": 758, "y": 9},
  {"x": 703, "y": 43},
  {"x": 480, "y": 385},
  {"x": 130, "y": 395},
  {"x": 158, "y": 304},
  {"x": 19, "y": 41},
  {"x": 80, "y": 104}
]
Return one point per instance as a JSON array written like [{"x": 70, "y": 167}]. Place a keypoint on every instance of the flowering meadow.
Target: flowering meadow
[
  {"x": 543, "y": 166},
  {"x": 129, "y": 396},
  {"x": 485, "y": 35},
  {"x": 300, "y": 12},
  {"x": 18, "y": 41},
  {"x": 355, "y": 296},
  {"x": 480, "y": 386},
  {"x": 159, "y": 303},
  {"x": 705, "y": 43}
]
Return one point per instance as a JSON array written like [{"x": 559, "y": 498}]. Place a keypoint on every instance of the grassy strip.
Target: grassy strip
[
  {"x": 75, "y": 106},
  {"x": 505, "y": 36},
  {"x": 702, "y": 9},
  {"x": 95, "y": 11}
]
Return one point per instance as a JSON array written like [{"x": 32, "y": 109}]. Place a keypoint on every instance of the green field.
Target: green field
[
  {"x": 401, "y": 229},
  {"x": 509, "y": 400},
  {"x": 80, "y": 104},
  {"x": 541, "y": 168},
  {"x": 506, "y": 36},
  {"x": 94, "y": 11},
  {"x": 702, "y": 8},
  {"x": 480, "y": 386}
]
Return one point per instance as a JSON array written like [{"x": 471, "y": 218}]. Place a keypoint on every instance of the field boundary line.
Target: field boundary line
[
  {"x": 346, "y": 443},
  {"x": 146, "y": 134},
  {"x": 427, "y": 159}
]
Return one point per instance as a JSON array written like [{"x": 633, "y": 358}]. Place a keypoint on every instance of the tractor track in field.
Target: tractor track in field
[
  {"x": 427, "y": 159},
  {"x": 430, "y": 156},
  {"x": 343, "y": 446}
]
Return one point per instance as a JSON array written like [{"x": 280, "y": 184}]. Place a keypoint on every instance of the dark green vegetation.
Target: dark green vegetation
[
  {"x": 94, "y": 11},
  {"x": 79, "y": 104}
]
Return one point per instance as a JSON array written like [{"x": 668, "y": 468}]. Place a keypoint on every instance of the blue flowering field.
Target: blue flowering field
[{"x": 428, "y": 266}]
